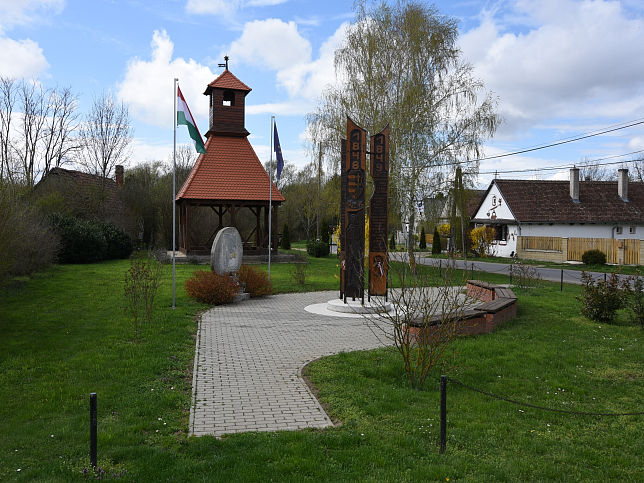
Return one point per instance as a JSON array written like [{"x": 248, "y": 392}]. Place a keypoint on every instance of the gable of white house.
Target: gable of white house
[{"x": 496, "y": 213}]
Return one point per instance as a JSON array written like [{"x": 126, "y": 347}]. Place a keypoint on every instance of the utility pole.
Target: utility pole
[{"x": 317, "y": 229}]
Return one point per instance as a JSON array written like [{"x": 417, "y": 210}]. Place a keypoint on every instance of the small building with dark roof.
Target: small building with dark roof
[
  {"x": 228, "y": 181},
  {"x": 608, "y": 210}
]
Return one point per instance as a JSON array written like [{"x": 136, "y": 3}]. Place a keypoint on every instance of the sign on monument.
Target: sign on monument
[
  {"x": 378, "y": 213},
  {"x": 227, "y": 251}
]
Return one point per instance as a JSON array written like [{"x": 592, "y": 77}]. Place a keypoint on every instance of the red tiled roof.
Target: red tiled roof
[
  {"x": 227, "y": 81},
  {"x": 230, "y": 170},
  {"x": 550, "y": 202}
]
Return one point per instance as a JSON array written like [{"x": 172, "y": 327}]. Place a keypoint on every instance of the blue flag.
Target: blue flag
[{"x": 278, "y": 152}]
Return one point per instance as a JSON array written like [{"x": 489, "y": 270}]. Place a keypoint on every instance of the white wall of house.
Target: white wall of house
[
  {"x": 506, "y": 248},
  {"x": 577, "y": 230},
  {"x": 494, "y": 207}
]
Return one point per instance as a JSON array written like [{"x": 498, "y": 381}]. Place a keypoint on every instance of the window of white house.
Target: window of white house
[
  {"x": 631, "y": 230},
  {"x": 500, "y": 232},
  {"x": 618, "y": 230}
]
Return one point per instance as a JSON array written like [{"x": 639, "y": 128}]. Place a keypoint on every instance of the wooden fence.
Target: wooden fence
[
  {"x": 632, "y": 252},
  {"x": 577, "y": 247},
  {"x": 539, "y": 243}
]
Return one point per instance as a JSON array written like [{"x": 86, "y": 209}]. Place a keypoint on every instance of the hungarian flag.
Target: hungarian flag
[
  {"x": 278, "y": 152},
  {"x": 185, "y": 117}
]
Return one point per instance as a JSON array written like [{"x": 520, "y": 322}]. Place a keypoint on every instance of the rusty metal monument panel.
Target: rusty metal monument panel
[
  {"x": 378, "y": 213},
  {"x": 354, "y": 210},
  {"x": 343, "y": 189}
]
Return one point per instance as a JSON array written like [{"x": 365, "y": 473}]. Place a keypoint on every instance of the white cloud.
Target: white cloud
[
  {"x": 567, "y": 58},
  {"x": 24, "y": 57},
  {"x": 226, "y": 7},
  {"x": 278, "y": 46},
  {"x": 213, "y": 7},
  {"x": 147, "y": 85},
  {"x": 20, "y": 12},
  {"x": 271, "y": 43},
  {"x": 144, "y": 151},
  {"x": 21, "y": 58},
  {"x": 290, "y": 108}
]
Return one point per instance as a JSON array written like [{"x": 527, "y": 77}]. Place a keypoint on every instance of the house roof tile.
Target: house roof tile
[
  {"x": 550, "y": 201},
  {"x": 226, "y": 80},
  {"x": 230, "y": 170}
]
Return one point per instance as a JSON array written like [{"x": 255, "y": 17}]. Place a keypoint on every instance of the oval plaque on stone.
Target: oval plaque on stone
[{"x": 227, "y": 251}]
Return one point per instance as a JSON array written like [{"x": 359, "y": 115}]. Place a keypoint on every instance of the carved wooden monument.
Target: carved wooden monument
[
  {"x": 378, "y": 213},
  {"x": 352, "y": 212}
]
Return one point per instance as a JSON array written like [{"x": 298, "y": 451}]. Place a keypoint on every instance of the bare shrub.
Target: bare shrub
[
  {"x": 142, "y": 282},
  {"x": 211, "y": 288},
  {"x": 423, "y": 321},
  {"x": 27, "y": 241},
  {"x": 633, "y": 288},
  {"x": 525, "y": 275},
  {"x": 298, "y": 272},
  {"x": 255, "y": 281}
]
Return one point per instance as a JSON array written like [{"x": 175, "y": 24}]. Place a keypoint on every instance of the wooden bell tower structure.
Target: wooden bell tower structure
[{"x": 229, "y": 178}]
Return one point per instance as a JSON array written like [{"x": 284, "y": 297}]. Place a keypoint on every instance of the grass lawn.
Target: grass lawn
[{"x": 65, "y": 335}]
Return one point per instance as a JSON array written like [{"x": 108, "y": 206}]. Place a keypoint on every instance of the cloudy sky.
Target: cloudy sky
[{"x": 560, "y": 68}]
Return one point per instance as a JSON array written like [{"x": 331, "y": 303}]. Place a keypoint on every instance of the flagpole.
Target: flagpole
[
  {"x": 174, "y": 189},
  {"x": 270, "y": 198}
]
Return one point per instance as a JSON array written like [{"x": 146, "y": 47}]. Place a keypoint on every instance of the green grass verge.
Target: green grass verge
[
  {"x": 65, "y": 335},
  {"x": 623, "y": 269}
]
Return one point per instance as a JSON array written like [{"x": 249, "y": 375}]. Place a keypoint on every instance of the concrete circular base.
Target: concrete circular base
[{"x": 376, "y": 306}]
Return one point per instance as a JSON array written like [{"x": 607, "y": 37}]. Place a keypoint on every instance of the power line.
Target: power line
[
  {"x": 564, "y": 141},
  {"x": 568, "y": 166}
]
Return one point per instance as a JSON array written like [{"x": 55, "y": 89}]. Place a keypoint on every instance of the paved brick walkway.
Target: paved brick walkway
[{"x": 248, "y": 361}]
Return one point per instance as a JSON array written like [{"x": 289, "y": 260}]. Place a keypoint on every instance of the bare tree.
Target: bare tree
[
  {"x": 105, "y": 136},
  {"x": 7, "y": 102},
  {"x": 400, "y": 65},
  {"x": 637, "y": 170},
  {"x": 421, "y": 320},
  {"x": 591, "y": 171},
  {"x": 35, "y": 109},
  {"x": 60, "y": 125}
]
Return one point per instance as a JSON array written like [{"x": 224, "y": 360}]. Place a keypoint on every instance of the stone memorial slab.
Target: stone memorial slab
[{"x": 227, "y": 251}]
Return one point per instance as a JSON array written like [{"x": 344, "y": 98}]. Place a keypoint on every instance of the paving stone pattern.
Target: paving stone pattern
[{"x": 248, "y": 362}]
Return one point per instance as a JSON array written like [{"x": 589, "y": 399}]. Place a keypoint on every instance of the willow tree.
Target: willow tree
[{"x": 400, "y": 65}]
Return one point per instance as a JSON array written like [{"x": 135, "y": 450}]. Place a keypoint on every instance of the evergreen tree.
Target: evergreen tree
[
  {"x": 286, "y": 239},
  {"x": 392, "y": 241},
  {"x": 436, "y": 243},
  {"x": 422, "y": 244}
]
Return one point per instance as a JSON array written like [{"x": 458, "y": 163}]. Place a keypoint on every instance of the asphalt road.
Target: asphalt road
[{"x": 548, "y": 274}]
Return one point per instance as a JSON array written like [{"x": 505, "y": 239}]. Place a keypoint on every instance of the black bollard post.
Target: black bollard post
[
  {"x": 92, "y": 429},
  {"x": 440, "y": 268},
  {"x": 510, "y": 274},
  {"x": 561, "y": 286},
  {"x": 443, "y": 414},
  {"x": 604, "y": 277}
]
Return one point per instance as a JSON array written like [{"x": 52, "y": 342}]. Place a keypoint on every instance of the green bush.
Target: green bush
[
  {"x": 285, "y": 243},
  {"x": 119, "y": 243},
  {"x": 436, "y": 243},
  {"x": 85, "y": 241},
  {"x": 422, "y": 244},
  {"x": 593, "y": 257},
  {"x": 317, "y": 249},
  {"x": 601, "y": 299},
  {"x": 392, "y": 242},
  {"x": 324, "y": 231}
]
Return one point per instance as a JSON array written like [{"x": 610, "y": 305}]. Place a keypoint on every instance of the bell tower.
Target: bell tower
[{"x": 227, "y": 96}]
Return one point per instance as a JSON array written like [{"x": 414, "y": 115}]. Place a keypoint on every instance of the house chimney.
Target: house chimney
[
  {"x": 622, "y": 184},
  {"x": 574, "y": 184},
  {"x": 119, "y": 175}
]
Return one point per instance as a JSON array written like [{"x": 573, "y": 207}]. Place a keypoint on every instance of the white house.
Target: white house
[{"x": 552, "y": 216}]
